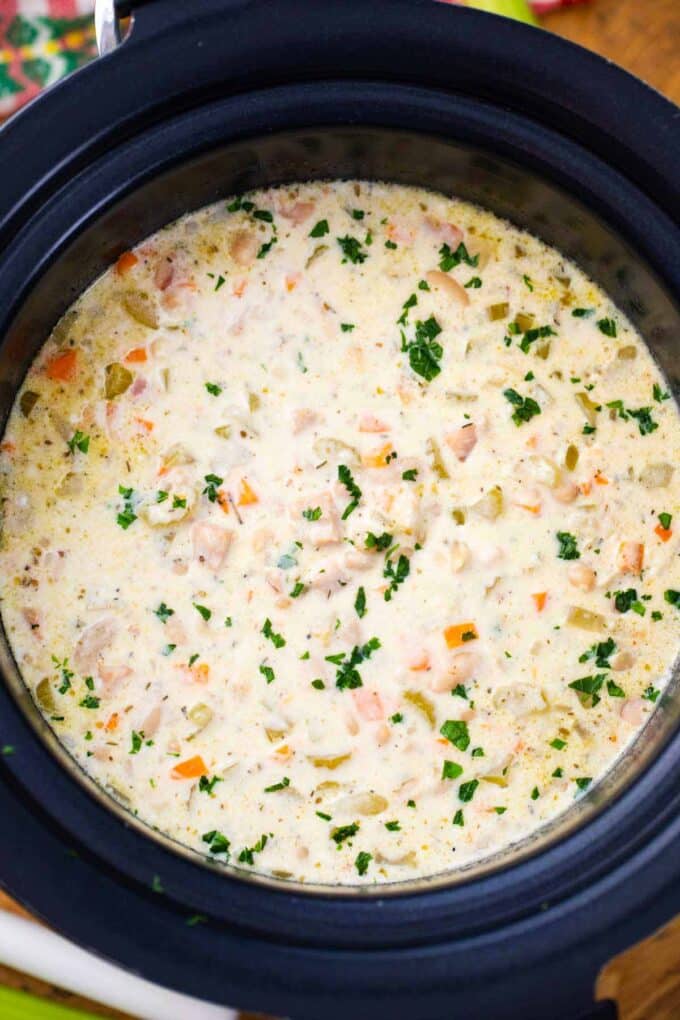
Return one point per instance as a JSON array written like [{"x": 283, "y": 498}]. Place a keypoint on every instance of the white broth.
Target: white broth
[{"x": 341, "y": 532}]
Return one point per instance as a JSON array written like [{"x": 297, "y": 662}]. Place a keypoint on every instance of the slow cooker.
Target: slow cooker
[{"x": 204, "y": 99}]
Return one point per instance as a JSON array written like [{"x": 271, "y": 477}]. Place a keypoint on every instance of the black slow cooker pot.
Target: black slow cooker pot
[{"x": 211, "y": 97}]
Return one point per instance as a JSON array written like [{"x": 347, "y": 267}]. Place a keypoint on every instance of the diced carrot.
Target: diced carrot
[
  {"x": 145, "y": 423},
  {"x": 7, "y": 447},
  {"x": 585, "y": 487},
  {"x": 200, "y": 673},
  {"x": 240, "y": 287},
  {"x": 601, "y": 480},
  {"x": 125, "y": 263},
  {"x": 62, "y": 367},
  {"x": 664, "y": 533},
  {"x": 533, "y": 508},
  {"x": 459, "y": 633},
  {"x": 292, "y": 281},
  {"x": 112, "y": 723},
  {"x": 539, "y": 600},
  {"x": 378, "y": 459},
  {"x": 247, "y": 496},
  {"x": 192, "y": 768},
  {"x": 136, "y": 355},
  {"x": 223, "y": 500}
]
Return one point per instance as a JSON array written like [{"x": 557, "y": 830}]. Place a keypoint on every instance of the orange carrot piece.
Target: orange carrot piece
[
  {"x": 539, "y": 600},
  {"x": 136, "y": 355},
  {"x": 112, "y": 723},
  {"x": 533, "y": 508},
  {"x": 126, "y": 261},
  {"x": 145, "y": 423},
  {"x": 223, "y": 500},
  {"x": 378, "y": 459},
  {"x": 420, "y": 662},
  {"x": 459, "y": 633},
  {"x": 248, "y": 495},
  {"x": 192, "y": 768},
  {"x": 585, "y": 488},
  {"x": 664, "y": 533},
  {"x": 62, "y": 367},
  {"x": 601, "y": 480}
]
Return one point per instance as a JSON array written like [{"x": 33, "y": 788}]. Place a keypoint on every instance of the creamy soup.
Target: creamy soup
[{"x": 340, "y": 536}]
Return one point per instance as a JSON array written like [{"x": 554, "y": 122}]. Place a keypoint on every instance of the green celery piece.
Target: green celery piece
[
  {"x": 517, "y": 9},
  {"x": 20, "y": 1006}
]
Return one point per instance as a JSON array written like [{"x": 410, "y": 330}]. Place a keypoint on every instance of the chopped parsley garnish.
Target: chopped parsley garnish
[
  {"x": 451, "y": 770},
  {"x": 527, "y": 282},
  {"x": 390, "y": 244},
  {"x": 477, "y": 752},
  {"x": 588, "y": 688},
  {"x": 607, "y": 326},
  {"x": 277, "y": 640},
  {"x": 278, "y": 786},
  {"x": 136, "y": 741},
  {"x": 410, "y": 475},
  {"x": 568, "y": 549},
  {"x": 582, "y": 313},
  {"x": 456, "y": 731},
  {"x": 474, "y": 283},
  {"x": 500, "y": 810},
  {"x": 643, "y": 416},
  {"x": 360, "y": 603},
  {"x": 583, "y": 782},
  {"x": 558, "y": 744},
  {"x": 424, "y": 352},
  {"x": 535, "y": 793},
  {"x": 312, "y": 513},
  {"x": 343, "y": 832},
  {"x": 203, "y": 611},
  {"x": 345, "y": 476},
  {"x": 79, "y": 441},
  {"x": 219, "y": 282},
  {"x": 378, "y": 542},
  {"x": 206, "y": 785},
  {"x": 450, "y": 259},
  {"x": 352, "y": 249},
  {"x": 320, "y": 229},
  {"x": 318, "y": 684},
  {"x": 409, "y": 303},
  {"x": 665, "y": 520},
  {"x": 458, "y": 818},
  {"x": 325, "y": 817},
  {"x": 397, "y": 717},
  {"x": 296, "y": 590},
  {"x": 362, "y": 861},
  {"x": 347, "y": 327},
  {"x": 217, "y": 842},
  {"x": 393, "y": 826},
  {"x": 651, "y": 694},
  {"x": 7, "y": 750},
  {"x": 179, "y": 502},
  {"x": 66, "y": 674},
  {"x": 264, "y": 250},
  {"x": 347, "y": 676},
  {"x": 127, "y": 515},
  {"x": 532, "y": 335},
  {"x": 601, "y": 652},
  {"x": 268, "y": 673},
  {"x": 466, "y": 791},
  {"x": 672, "y": 597},
  {"x": 228, "y": 622},
  {"x": 212, "y": 484},
  {"x": 659, "y": 394},
  {"x": 213, "y": 389},
  {"x": 161, "y": 496},
  {"x": 164, "y": 612},
  {"x": 459, "y": 691},
  {"x": 89, "y": 701},
  {"x": 264, "y": 215},
  {"x": 247, "y": 854},
  {"x": 396, "y": 575},
  {"x": 614, "y": 691},
  {"x": 628, "y": 599},
  {"x": 588, "y": 429},
  {"x": 357, "y": 214},
  {"x": 526, "y": 408}
]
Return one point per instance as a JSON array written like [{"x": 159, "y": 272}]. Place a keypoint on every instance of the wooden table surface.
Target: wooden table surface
[{"x": 644, "y": 37}]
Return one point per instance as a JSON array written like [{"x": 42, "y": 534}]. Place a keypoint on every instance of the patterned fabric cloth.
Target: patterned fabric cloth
[{"x": 42, "y": 40}]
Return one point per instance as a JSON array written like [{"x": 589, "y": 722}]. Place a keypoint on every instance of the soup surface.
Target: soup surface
[{"x": 340, "y": 532}]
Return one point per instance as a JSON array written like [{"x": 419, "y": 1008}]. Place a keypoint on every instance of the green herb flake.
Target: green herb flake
[
  {"x": 397, "y": 718},
  {"x": 212, "y": 484},
  {"x": 127, "y": 515},
  {"x": 526, "y": 408},
  {"x": 352, "y": 250},
  {"x": 362, "y": 861},
  {"x": 568, "y": 548},
  {"x": 449, "y": 259},
  {"x": 410, "y": 475},
  {"x": 206, "y": 785},
  {"x": 213, "y": 389},
  {"x": 393, "y": 826},
  {"x": 535, "y": 793},
  {"x": 318, "y": 684},
  {"x": 202, "y": 611},
  {"x": 320, "y": 229},
  {"x": 458, "y": 818},
  {"x": 344, "y": 832},
  {"x": 583, "y": 313},
  {"x": 360, "y": 603},
  {"x": 466, "y": 791},
  {"x": 474, "y": 283},
  {"x": 424, "y": 352},
  {"x": 396, "y": 575},
  {"x": 451, "y": 770},
  {"x": 276, "y": 639},
  {"x": 607, "y": 326},
  {"x": 659, "y": 394},
  {"x": 217, "y": 843},
  {"x": 345, "y": 476},
  {"x": 588, "y": 687},
  {"x": 378, "y": 542},
  {"x": 247, "y": 854},
  {"x": 347, "y": 676},
  {"x": 79, "y": 441},
  {"x": 347, "y": 327},
  {"x": 558, "y": 744},
  {"x": 164, "y": 612},
  {"x": 456, "y": 732},
  {"x": 278, "y": 786},
  {"x": 268, "y": 673},
  {"x": 583, "y": 782},
  {"x": 614, "y": 691},
  {"x": 312, "y": 513},
  {"x": 651, "y": 694}
]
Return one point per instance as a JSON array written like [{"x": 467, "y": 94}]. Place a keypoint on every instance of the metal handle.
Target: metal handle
[{"x": 106, "y": 26}]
